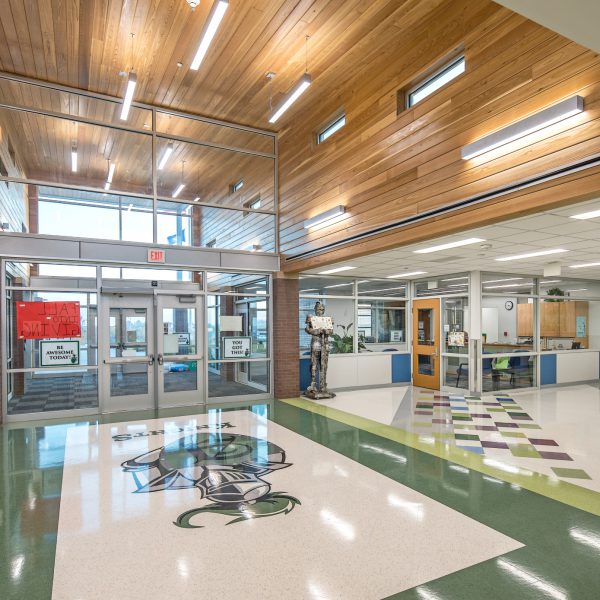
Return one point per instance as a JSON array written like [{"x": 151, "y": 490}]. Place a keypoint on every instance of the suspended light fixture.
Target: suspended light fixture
[
  {"x": 291, "y": 97},
  {"x": 553, "y": 114},
  {"x": 111, "y": 172},
  {"x": 210, "y": 29},
  {"x": 131, "y": 83},
  {"x": 181, "y": 185},
  {"x": 297, "y": 90},
  {"x": 74, "y": 157},
  {"x": 165, "y": 156}
]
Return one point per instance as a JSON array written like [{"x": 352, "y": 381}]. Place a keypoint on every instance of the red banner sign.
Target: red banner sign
[{"x": 48, "y": 320}]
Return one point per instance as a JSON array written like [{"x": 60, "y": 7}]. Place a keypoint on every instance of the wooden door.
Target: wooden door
[{"x": 426, "y": 343}]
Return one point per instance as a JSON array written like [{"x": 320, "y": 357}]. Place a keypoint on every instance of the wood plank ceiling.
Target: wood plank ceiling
[{"x": 87, "y": 44}]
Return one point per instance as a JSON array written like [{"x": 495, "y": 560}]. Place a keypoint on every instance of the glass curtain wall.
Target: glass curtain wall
[
  {"x": 60, "y": 370},
  {"x": 157, "y": 177},
  {"x": 238, "y": 335}
]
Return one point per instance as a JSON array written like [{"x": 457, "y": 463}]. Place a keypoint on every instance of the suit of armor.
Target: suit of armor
[{"x": 319, "y": 355}]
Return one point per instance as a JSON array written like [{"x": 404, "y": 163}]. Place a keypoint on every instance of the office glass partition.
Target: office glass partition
[
  {"x": 316, "y": 285},
  {"x": 381, "y": 325},
  {"x": 382, "y": 288},
  {"x": 442, "y": 285}
]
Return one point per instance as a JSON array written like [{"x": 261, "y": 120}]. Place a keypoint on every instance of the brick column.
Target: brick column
[{"x": 286, "y": 337}]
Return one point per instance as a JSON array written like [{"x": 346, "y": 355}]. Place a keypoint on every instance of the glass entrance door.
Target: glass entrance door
[
  {"x": 426, "y": 343},
  {"x": 128, "y": 361},
  {"x": 179, "y": 351},
  {"x": 153, "y": 351}
]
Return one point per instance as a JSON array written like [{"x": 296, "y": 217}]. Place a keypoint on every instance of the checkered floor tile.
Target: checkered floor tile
[{"x": 488, "y": 426}]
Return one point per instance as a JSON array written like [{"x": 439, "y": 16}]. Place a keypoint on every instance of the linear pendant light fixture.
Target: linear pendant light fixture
[
  {"x": 336, "y": 211},
  {"x": 291, "y": 97},
  {"x": 165, "y": 156},
  {"x": 74, "y": 158},
  {"x": 553, "y": 114},
  {"x": 131, "y": 83},
  {"x": 210, "y": 29}
]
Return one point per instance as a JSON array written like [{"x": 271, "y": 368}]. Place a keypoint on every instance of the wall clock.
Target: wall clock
[{"x": 509, "y": 304}]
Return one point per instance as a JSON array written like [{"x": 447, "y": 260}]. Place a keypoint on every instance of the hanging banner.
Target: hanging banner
[
  {"x": 57, "y": 354},
  {"x": 48, "y": 320}
]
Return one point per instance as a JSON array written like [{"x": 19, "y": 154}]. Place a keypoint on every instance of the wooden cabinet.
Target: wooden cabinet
[
  {"x": 557, "y": 319},
  {"x": 525, "y": 320},
  {"x": 550, "y": 319}
]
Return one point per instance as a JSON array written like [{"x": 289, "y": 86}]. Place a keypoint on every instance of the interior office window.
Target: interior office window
[
  {"x": 381, "y": 325},
  {"x": 331, "y": 128},
  {"x": 434, "y": 82}
]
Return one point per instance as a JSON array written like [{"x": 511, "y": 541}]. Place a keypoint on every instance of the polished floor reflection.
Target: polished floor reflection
[
  {"x": 274, "y": 501},
  {"x": 552, "y": 431}
]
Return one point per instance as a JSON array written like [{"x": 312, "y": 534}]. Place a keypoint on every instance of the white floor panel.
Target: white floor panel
[{"x": 355, "y": 533}]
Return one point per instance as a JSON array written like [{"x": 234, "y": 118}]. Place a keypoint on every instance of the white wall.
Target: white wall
[
  {"x": 594, "y": 325},
  {"x": 507, "y": 319}
]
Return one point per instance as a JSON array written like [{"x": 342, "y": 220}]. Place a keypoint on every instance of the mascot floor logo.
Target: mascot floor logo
[{"x": 227, "y": 469}]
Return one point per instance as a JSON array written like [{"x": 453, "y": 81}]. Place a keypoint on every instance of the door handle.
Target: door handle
[
  {"x": 159, "y": 359},
  {"x": 151, "y": 359}
]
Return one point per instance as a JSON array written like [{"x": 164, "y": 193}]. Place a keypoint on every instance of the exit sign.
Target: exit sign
[{"x": 156, "y": 256}]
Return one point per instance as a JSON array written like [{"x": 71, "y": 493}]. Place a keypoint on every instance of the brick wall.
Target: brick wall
[{"x": 285, "y": 337}]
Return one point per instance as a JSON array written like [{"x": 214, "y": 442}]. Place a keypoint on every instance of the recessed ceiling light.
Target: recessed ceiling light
[
  {"x": 455, "y": 278},
  {"x": 412, "y": 273},
  {"x": 585, "y": 265},
  {"x": 500, "y": 280},
  {"x": 531, "y": 254},
  {"x": 506, "y": 285},
  {"x": 339, "y": 285},
  {"x": 336, "y": 270},
  {"x": 449, "y": 245},
  {"x": 578, "y": 290},
  {"x": 587, "y": 215}
]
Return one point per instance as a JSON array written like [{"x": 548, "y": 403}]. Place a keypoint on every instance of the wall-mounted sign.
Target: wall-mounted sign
[
  {"x": 236, "y": 347},
  {"x": 48, "y": 320},
  {"x": 156, "y": 256},
  {"x": 396, "y": 335},
  {"x": 456, "y": 338},
  {"x": 58, "y": 354},
  {"x": 580, "y": 326},
  {"x": 183, "y": 339},
  {"x": 230, "y": 323}
]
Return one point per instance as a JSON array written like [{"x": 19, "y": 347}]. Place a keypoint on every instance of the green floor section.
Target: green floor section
[{"x": 560, "y": 560}]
